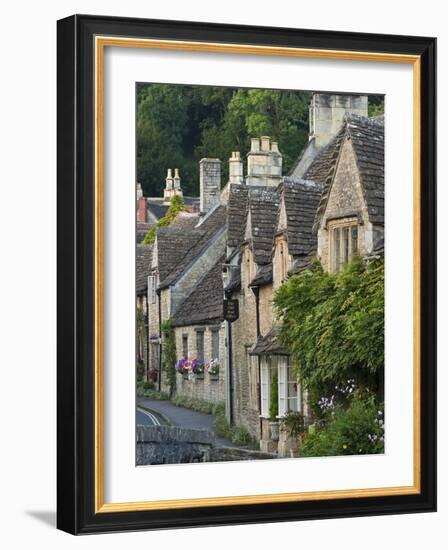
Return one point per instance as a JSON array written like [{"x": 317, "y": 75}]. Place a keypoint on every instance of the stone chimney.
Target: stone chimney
[
  {"x": 209, "y": 183},
  {"x": 236, "y": 168},
  {"x": 327, "y": 113},
  {"x": 139, "y": 190},
  {"x": 264, "y": 162},
  {"x": 172, "y": 186},
  {"x": 141, "y": 210}
]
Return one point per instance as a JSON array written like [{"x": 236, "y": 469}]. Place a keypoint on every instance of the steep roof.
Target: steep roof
[
  {"x": 204, "y": 304},
  {"x": 268, "y": 345},
  {"x": 143, "y": 258},
  {"x": 157, "y": 210},
  {"x": 173, "y": 242},
  {"x": 263, "y": 275},
  {"x": 301, "y": 199},
  {"x": 193, "y": 242},
  {"x": 263, "y": 205},
  {"x": 367, "y": 136},
  {"x": 236, "y": 214}
]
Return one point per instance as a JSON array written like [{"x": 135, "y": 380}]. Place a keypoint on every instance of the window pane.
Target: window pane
[
  {"x": 200, "y": 345},
  {"x": 346, "y": 247},
  {"x": 185, "y": 345},
  {"x": 215, "y": 344},
  {"x": 354, "y": 239},
  {"x": 337, "y": 249}
]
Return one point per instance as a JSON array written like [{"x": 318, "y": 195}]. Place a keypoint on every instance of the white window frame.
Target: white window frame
[
  {"x": 286, "y": 401},
  {"x": 265, "y": 386}
]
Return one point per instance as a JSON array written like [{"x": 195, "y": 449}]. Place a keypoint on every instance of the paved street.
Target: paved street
[{"x": 177, "y": 416}]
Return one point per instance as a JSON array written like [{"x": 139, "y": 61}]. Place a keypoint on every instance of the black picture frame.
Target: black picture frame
[{"x": 76, "y": 265}]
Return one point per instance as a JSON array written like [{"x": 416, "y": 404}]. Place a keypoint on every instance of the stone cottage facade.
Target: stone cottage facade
[{"x": 244, "y": 243}]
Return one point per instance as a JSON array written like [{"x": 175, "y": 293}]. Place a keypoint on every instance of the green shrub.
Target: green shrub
[
  {"x": 359, "y": 429},
  {"x": 176, "y": 205},
  {"x": 273, "y": 400},
  {"x": 140, "y": 368}
]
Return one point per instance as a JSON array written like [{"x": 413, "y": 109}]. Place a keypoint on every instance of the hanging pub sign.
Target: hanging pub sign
[{"x": 231, "y": 310}]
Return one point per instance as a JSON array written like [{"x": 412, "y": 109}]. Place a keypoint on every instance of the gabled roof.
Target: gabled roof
[
  {"x": 192, "y": 244},
  {"x": 367, "y": 136},
  {"x": 205, "y": 304},
  {"x": 173, "y": 242},
  {"x": 301, "y": 199},
  {"x": 143, "y": 257},
  {"x": 263, "y": 205},
  {"x": 263, "y": 275},
  {"x": 236, "y": 214},
  {"x": 268, "y": 345}
]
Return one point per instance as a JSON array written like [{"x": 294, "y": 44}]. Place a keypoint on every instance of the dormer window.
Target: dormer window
[{"x": 343, "y": 242}]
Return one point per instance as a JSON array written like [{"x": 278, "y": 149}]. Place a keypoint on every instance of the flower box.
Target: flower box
[{"x": 214, "y": 376}]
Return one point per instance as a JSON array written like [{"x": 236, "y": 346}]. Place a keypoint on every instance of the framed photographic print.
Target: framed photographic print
[{"x": 247, "y": 274}]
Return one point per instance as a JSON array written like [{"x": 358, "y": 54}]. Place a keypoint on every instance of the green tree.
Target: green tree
[{"x": 333, "y": 326}]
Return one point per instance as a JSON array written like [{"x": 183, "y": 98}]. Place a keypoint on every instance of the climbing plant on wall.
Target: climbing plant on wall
[
  {"x": 176, "y": 206},
  {"x": 169, "y": 355}
]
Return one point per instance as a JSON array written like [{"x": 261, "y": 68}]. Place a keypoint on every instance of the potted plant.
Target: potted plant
[
  {"x": 197, "y": 368},
  {"x": 213, "y": 369},
  {"x": 273, "y": 408},
  {"x": 182, "y": 367}
]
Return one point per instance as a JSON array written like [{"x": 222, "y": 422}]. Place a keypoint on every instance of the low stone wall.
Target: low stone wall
[
  {"x": 206, "y": 388},
  {"x": 225, "y": 454},
  {"x": 171, "y": 445}
]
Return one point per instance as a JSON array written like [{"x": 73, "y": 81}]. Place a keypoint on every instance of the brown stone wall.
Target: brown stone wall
[
  {"x": 266, "y": 309},
  {"x": 245, "y": 410},
  {"x": 345, "y": 203},
  {"x": 206, "y": 388}
]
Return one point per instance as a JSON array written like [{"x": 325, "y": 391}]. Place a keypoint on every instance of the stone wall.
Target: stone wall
[
  {"x": 207, "y": 387},
  {"x": 168, "y": 445},
  {"x": 245, "y": 369},
  {"x": 345, "y": 204}
]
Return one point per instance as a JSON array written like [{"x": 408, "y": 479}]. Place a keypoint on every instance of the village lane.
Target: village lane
[{"x": 181, "y": 417}]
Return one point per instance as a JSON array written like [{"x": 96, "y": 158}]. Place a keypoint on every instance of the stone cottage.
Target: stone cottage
[{"x": 246, "y": 240}]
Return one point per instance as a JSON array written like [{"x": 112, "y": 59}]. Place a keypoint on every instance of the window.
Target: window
[
  {"x": 252, "y": 365},
  {"x": 185, "y": 345},
  {"x": 265, "y": 387},
  {"x": 200, "y": 345},
  {"x": 288, "y": 389},
  {"x": 151, "y": 289},
  {"x": 344, "y": 243},
  {"x": 215, "y": 344}
]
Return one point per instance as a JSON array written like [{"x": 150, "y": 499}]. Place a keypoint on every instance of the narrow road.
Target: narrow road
[
  {"x": 148, "y": 418},
  {"x": 179, "y": 416}
]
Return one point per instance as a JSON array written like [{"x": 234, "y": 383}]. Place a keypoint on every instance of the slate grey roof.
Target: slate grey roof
[
  {"x": 193, "y": 242},
  {"x": 205, "y": 303},
  {"x": 268, "y": 345},
  {"x": 235, "y": 279},
  {"x": 173, "y": 243},
  {"x": 143, "y": 258},
  {"x": 367, "y": 135},
  {"x": 301, "y": 198},
  {"x": 236, "y": 214},
  {"x": 263, "y": 275},
  {"x": 263, "y": 206},
  {"x": 157, "y": 210},
  {"x": 141, "y": 230}
]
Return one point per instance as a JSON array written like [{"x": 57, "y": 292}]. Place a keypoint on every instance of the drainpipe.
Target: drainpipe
[
  {"x": 159, "y": 374},
  {"x": 256, "y": 291},
  {"x": 229, "y": 343},
  {"x": 147, "y": 335}
]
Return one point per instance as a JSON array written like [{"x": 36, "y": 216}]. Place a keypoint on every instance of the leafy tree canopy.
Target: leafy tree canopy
[
  {"x": 333, "y": 325},
  {"x": 179, "y": 125}
]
